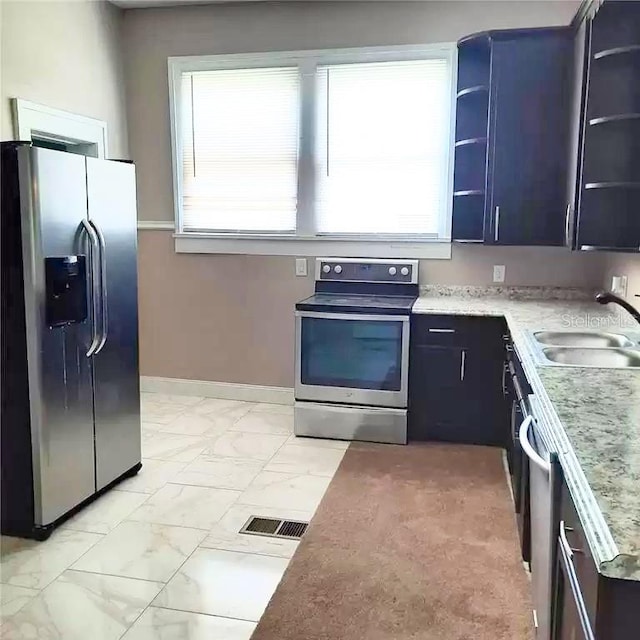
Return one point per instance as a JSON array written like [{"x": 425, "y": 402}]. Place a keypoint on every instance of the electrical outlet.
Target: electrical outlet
[
  {"x": 499, "y": 271},
  {"x": 619, "y": 285},
  {"x": 301, "y": 266}
]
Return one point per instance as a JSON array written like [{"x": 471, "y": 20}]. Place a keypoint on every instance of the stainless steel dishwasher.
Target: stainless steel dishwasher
[{"x": 544, "y": 476}]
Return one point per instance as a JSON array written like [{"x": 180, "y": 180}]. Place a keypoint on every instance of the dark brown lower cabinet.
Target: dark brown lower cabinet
[
  {"x": 456, "y": 380},
  {"x": 588, "y": 605}
]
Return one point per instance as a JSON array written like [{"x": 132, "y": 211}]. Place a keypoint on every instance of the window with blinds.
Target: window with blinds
[
  {"x": 240, "y": 149},
  {"x": 318, "y": 144},
  {"x": 382, "y": 147}
]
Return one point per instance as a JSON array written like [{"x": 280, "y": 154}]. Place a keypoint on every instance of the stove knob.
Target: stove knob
[
  {"x": 337, "y": 268},
  {"x": 392, "y": 271},
  {"x": 326, "y": 268},
  {"x": 404, "y": 271}
]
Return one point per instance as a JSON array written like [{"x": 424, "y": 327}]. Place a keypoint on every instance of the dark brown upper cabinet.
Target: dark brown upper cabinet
[
  {"x": 603, "y": 185},
  {"x": 512, "y": 128}
]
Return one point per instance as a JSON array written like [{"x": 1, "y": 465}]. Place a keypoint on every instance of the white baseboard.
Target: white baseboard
[{"x": 224, "y": 390}]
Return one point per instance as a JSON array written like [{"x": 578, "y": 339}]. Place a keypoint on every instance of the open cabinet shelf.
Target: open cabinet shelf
[
  {"x": 469, "y": 192},
  {"x": 472, "y": 125},
  {"x": 616, "y": 51},
  {"x": 609, "y": 217},
  {"x": 619, "y": 117},
  {"x": 478, "y": 89},
  {"x": 612, "y": 185},
  {"x": 609, "y": 202},
  {"x": 468, "y": 141}
]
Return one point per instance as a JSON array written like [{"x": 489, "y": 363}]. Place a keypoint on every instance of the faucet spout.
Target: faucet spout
[{"x": 605, "y": 297}]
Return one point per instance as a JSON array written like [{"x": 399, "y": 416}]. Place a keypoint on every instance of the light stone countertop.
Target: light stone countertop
[{"x": 591, "y": 415}]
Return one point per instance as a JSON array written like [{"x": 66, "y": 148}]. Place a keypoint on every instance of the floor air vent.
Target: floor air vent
[{"x": 273, "y": 528}]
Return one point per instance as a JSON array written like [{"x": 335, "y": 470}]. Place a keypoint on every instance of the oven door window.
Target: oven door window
[{"x": 360, "y": 354}]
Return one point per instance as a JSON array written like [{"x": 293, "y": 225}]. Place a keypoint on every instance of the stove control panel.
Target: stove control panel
[{"x": 363, "y": 270}]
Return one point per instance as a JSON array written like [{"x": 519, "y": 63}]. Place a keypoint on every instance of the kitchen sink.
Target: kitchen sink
[
  {"x": 582, "y": 339},
  {"x": 593, "y": 357}
]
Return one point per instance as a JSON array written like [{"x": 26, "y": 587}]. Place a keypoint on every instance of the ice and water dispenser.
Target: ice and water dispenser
[{"x": 66, "y": 290}]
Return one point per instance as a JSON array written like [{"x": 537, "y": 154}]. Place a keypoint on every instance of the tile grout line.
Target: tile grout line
[
  {"x": 164, "y": 524},
  {"x": 202, "y": 486},
  {"x": 116, "y": 575},
  {"x": 247, "y": 553},
  {"x": 211, "y": 615},
  {"x": 255, "y": 553}
]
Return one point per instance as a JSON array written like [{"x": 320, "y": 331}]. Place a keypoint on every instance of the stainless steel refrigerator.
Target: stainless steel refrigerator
[{"x": 70, "y": 385}]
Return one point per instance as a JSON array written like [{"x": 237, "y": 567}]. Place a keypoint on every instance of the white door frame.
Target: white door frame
[{"x": 88, "y": 135}]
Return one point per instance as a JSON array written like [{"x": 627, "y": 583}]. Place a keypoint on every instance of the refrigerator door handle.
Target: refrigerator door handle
[
  {"x": 103, "y": 285},
  {"x": 93, "y": 252}
]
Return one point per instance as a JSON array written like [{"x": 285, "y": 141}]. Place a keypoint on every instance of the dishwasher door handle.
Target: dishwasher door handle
[{"x": 532, "y": 454}]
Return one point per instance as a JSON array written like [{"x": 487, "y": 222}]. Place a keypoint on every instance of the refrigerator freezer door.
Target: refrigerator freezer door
[
  {"x": 53, "y": 201},
  {"x": 111, "y": 191}
]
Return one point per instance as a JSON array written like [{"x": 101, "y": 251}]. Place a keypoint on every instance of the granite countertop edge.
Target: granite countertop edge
[{"x": 609, "y": 560}]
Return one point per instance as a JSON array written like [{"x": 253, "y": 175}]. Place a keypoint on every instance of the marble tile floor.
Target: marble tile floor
[{"x": 160, "y": 557}]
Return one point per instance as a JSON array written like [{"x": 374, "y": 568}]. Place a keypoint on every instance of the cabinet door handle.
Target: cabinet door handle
[
  {"x": 567, "y": 225},
  {"x": 442, "y": 330},
  {"x": 462, "y": 364},
  {"x": 569, "y": 550},
  {"x": 496, "y": 233}
]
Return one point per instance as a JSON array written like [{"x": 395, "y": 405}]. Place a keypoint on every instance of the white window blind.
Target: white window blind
[
  {"x": 240, "y": 149},
  {"x": 382, "y": 147}
]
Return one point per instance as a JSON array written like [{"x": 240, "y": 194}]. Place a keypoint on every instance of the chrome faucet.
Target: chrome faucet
[{"x": 604, "y": 297}]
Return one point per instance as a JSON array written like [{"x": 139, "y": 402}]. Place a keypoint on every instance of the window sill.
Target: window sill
[{"x": 280, "y": 245}]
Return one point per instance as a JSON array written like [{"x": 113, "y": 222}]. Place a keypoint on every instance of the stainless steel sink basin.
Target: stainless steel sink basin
[
  {"x": 582, "y": 339},
  {"x": 590, "y": 357}
]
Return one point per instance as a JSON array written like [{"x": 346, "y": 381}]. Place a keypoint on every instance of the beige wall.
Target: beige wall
[
  {"x": 222, "y": 318},
  {"x": 66, "y": 55},
  {"x": 525, "y": 266},
  {"x": 230, "y": 318}
]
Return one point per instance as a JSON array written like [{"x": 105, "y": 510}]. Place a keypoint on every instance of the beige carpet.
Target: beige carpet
[{"x": 408, "y": 542}]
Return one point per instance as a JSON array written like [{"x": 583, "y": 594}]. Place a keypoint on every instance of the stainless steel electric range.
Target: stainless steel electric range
[{"x": 352, "y": 350}]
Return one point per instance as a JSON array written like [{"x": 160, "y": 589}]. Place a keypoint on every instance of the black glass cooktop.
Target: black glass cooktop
[{"x": 357, "y": 303}]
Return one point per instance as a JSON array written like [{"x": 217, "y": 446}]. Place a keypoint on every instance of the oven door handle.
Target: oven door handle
[{"x": 352, "y": 316}]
